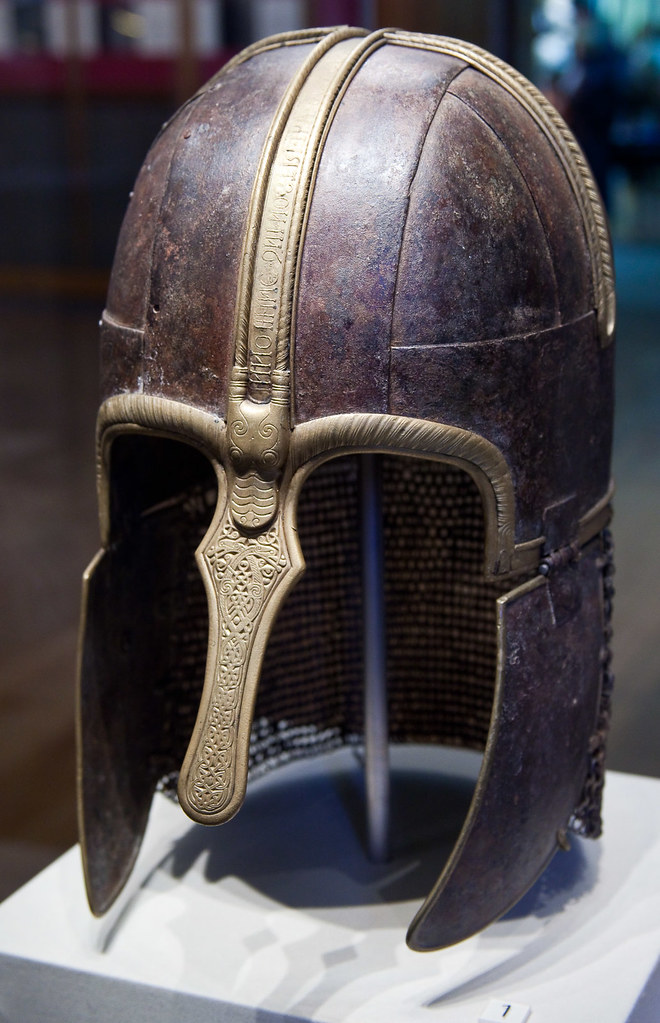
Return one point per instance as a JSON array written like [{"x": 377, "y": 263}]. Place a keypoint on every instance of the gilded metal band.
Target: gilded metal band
[
  {"x": 141, "y": 413},
  {"x": 304, "y": 36},
  {"x": 568, "y": 152},
  {"x": 258, "y": 415},
  {"x": 319, "y": 440},
  {"x": 302, "y": 100},
  {"x": 315, "y": 442},
  {"x": 597, "y": 518}
]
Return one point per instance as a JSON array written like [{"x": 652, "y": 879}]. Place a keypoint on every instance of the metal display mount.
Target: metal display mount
[{"x": 376, "y": 751}]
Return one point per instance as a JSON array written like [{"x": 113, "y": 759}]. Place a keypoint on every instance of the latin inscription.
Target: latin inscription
[{"x": 271, "y": 258}]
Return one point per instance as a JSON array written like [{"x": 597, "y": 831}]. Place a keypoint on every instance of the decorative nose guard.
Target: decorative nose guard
[{"x": 544, "y": 744}]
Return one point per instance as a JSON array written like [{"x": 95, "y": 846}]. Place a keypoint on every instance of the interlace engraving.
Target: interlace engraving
[{"x": 244, "y": 571}]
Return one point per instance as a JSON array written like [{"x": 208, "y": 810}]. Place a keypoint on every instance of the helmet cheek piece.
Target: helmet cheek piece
[{"x": 497, "y": 556}]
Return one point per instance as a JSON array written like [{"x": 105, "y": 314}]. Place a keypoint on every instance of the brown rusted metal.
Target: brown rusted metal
[{"x": 343, "y": 244}]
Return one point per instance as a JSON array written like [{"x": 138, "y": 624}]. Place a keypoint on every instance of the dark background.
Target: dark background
[{"x": 78, "y": 109}]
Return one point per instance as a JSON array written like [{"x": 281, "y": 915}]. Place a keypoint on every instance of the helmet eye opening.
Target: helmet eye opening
[
  {"x": 150, "y": 474},
  {"x": 440, "y": 611}
]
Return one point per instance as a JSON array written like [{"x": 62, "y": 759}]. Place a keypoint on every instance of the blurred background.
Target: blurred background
[{"x": 84, "y": 87}]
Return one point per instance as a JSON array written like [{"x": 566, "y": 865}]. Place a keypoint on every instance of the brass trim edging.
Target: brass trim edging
[
  {"x": 255, "y": 218},
  {"x": 597, "y": 518},
  {"x": 259, "y": 398},
  {"x": 332, "y": 436},
  {"x": 141, "y": 413}
]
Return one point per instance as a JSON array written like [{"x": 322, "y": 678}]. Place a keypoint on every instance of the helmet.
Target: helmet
[{"x": 349, "y": 243}]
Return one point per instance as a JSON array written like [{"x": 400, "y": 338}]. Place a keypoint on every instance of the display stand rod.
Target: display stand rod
[{"x": 376, "y": 730}]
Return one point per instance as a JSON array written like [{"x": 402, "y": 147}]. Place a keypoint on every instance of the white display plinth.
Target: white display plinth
[{"x": 279, "y": 915}]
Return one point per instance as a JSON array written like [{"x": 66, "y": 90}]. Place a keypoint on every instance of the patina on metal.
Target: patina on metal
[{"x": 346, "y": 244}]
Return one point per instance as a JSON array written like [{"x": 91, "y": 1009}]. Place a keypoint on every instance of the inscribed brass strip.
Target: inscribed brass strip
[
  {"x": 259, "y": 399},
  {"x": 302, "y": 81}
]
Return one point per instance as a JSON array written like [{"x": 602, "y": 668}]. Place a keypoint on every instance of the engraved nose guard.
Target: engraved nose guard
[{"x": 249, "y": 561}]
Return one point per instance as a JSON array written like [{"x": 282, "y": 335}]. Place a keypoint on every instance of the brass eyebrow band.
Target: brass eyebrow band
[{"x": 315, "y": 442}]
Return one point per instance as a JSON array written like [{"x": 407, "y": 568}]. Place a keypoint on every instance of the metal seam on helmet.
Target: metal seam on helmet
[
  {"x": 526, "y": 335},
  {"x": 566, "y": 147},
  {"x": 404, "y": 228},
  {"x": 530, "y": 191}
]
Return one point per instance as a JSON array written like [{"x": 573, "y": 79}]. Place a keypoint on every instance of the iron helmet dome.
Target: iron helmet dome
[{"x": 348, "y": 243}]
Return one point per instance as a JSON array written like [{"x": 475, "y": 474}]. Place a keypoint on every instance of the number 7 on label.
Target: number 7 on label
[{"x": 510, "y": 1012}]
